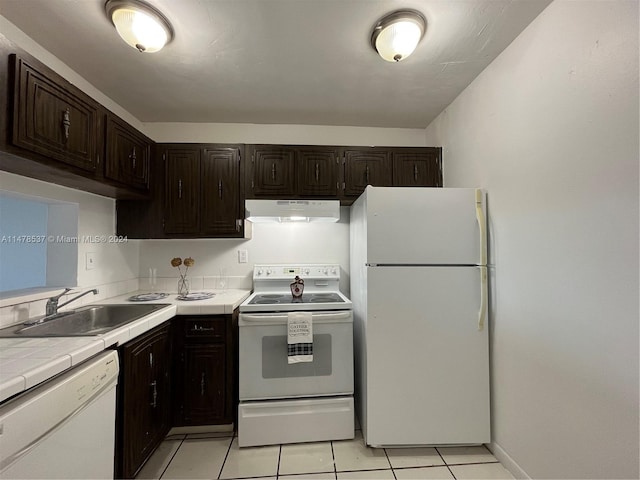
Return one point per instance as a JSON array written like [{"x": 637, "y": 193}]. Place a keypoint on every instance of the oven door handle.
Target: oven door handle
[{"x": 281, "y": 318}]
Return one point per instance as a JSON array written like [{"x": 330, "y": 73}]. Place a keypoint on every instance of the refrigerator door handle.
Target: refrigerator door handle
[
  {"x": 482, "y": 224},
  {"x": 484, "y": 297}
]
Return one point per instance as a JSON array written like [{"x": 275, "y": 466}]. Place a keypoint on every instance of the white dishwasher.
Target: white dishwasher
[{"x": 65, "y": 427}]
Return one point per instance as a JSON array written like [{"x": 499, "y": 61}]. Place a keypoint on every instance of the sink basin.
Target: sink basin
[{"x": 85, "y": 321}]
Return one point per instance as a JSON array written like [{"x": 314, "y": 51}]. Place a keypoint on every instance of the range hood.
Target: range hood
[{"x": 264, "y": 211}]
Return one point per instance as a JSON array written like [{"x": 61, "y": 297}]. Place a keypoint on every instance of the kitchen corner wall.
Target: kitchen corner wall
[
  {"x": 120, "y": 265},
  {"x": 550, "y": 129},
  {"x": 116, "y": 264},
  {"x": 270, "y": 243}
]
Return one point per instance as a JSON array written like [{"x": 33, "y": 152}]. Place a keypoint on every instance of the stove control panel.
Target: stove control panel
[{"x": 281, "y": 272}]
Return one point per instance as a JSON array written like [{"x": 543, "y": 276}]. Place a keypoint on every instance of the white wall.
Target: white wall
[
  {"x": 116, "y": 268},
  {"x": 270, "y": 243},
  {"x": 284, "y": 134},
  {"x": 550, "y": 129}
]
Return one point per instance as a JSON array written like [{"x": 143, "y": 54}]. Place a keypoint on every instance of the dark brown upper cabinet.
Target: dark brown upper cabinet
[
  {"x": 222, "y": 205},
  {"x": 127, "y": 154},
  {"x": 53, "y": 119},
  {"x": 288, "y": 171},
  {"x": 182, "y": 190},
  {"x": 203, "y": 191},
  {"x": 317, "y": 170},
  {"x": 418, "y": 167},
  {"x": 271, "y": 171},
  {"x": 362, "y": 167},
  {"x": 52, "y": 131}
]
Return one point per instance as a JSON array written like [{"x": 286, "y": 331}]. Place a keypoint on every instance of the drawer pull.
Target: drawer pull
[
  {"x": 317, "y": 173},
  {"x": 415, "y": 172},
  {"x": 202, "y": 385},
  {"x": 196, "y": 328}
]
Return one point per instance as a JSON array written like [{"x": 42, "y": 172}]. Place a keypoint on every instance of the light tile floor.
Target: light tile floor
[{"x": 217, "y": 456}]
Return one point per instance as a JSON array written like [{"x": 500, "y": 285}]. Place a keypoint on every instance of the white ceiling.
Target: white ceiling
[{"x": 279, "y": 61}]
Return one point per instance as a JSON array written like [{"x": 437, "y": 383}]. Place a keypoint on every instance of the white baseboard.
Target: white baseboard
[{"x": 507, "y": 462}]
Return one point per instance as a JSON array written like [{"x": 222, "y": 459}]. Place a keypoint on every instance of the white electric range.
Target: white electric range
[{"x": 300, "y": 402}]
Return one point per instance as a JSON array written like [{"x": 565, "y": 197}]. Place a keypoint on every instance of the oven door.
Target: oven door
[{"x": 264, "y": 370}]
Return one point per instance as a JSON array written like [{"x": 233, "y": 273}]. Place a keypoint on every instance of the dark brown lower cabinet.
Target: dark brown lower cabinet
[
  {"x": 144, "y": 397},
  {"x": 203, "y": 370},
  {"x": 181, "y": 373}
]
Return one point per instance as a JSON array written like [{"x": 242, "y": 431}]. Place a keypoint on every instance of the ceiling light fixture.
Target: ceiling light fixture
[
  {"x": 139, "y": 24},
  {"x": 397, "y": 34}
]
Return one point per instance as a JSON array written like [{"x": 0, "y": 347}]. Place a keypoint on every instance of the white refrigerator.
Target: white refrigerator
[{"x": 419, "y": 292}]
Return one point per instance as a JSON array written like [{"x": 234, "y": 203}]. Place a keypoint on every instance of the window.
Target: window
[{"x": 38, "y": 242}]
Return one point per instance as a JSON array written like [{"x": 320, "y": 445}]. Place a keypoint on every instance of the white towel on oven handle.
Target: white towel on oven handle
[{"x": 299, "y": 337}]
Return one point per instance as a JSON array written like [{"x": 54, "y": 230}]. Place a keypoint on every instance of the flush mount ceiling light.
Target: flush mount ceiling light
[
  {"x": 139, "y": 24},
  {"x": 397, "y": 34}
]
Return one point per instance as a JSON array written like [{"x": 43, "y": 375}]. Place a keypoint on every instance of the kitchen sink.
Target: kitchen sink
[{"x": 85, "y": 321}]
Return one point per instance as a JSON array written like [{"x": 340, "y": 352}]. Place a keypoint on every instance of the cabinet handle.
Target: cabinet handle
[
  {"x": 415, "y": 172},
  {"x": 133, "y": 157},
  {"x": 366, "y": 174},
  {"x": 238, "y": 224},
  {"x": 196, "y": 328},
  {"x": 154, "y": 394},
  {"x": 151, "y": 359},
  {"x": 317, "y": 172},
  {"x": 66, "y": 123},
  {"x": 202, "y": 384},
  {"x": 180, "y": 188},
  {"x": 273, "y": 171},
  {"x": 220, "y": 189}
]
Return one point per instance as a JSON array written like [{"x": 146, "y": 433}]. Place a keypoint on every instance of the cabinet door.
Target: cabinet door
[
  {"x": 144, "y": 399},
  {"x": 417, "y": 169},
  {"x": 205, "y": 386},
  {"x": 221, "y": 210},
  {"x": 52, "y": 120},
  {"x": 272, "y": 173},
  {"x": 317, "y": 172},
  {"x": 127, "y": 155},
  {"x": 182, "y": 190},
  {"x": 366, "y": 167}
]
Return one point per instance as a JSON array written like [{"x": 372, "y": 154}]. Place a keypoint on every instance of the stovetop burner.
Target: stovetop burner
[
  {"x": 272, "y": 289},
  {"x": 275, "y": 299}
]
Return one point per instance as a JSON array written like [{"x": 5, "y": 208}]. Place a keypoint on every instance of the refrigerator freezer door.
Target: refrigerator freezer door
[
  {"x": 424, "y": 226},
  {"x": 427, "y": 363}
]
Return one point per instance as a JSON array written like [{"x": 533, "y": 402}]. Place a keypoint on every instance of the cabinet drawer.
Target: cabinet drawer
[{"x": 213, "y": 329}]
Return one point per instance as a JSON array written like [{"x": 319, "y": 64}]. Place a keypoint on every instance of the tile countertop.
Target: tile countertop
[
  {"x": 223, "y": 302},
  {"x": 26, "y": 362}
]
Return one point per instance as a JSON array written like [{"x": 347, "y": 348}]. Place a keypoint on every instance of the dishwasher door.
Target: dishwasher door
[{"x": 65, "y": 427}]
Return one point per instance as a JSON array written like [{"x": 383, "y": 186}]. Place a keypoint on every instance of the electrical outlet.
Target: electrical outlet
[
  {"x": 243, "y": 256},
  {"x": 90, "y": 261}
]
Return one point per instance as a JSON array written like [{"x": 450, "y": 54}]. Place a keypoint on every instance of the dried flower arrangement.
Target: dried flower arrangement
[{"x": 183, "y": 284}]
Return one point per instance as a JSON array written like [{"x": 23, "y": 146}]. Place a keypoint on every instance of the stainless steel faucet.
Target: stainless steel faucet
[{"x": 52, "y": 303}]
